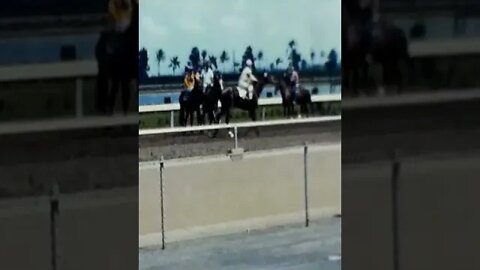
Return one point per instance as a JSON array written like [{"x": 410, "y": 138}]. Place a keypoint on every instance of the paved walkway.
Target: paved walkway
[{"x": 292, "y": 247}]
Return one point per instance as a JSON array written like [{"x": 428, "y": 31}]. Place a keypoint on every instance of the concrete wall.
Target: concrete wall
[
  {"x": 93, "y": 230},
  {"x": 438, "y": 191},
  {"x": 215, "y": 195}
]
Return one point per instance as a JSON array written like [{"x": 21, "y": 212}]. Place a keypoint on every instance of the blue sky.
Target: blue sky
[{"x": 216, "y": 25}]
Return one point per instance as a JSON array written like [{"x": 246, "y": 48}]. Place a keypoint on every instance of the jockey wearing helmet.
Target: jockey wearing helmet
[
  {"x": 294, "y": 81},
  {"x": 207, "y": 77},
  {"x": 245, "y": 82},
  {"x": 120, "y": 12}
]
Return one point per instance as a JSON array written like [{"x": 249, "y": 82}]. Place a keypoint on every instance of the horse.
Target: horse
[
  {"x": 231, "y": 98},
  {"x": 191, "y": 102},
  {"x": 355, "y": 66},
  {"x": 113, "y": 55},
  {"x": 303, "y": 98},
  {"x": 211, "y": 98},
  {"x": 373, "y": 51},
  {"x": 389, "y": 50}
]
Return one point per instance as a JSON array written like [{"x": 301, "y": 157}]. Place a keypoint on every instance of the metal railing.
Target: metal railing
[{"x": 236, "y": 126}]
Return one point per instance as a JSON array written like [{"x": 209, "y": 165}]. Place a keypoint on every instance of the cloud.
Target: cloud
[
  {"x": 234, "y": 23},
  {"x": 191, "y": 26}
]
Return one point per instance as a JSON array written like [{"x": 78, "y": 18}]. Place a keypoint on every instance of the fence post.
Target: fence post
[
  {"x": 162, "y": 208},
  {"x": 235, "y": 129},
  {"x": 54, "y": 208},
  {"x": 172, "y": 119},
  {"x": 263, "y": 113},
  {"x": 394, "y": 198},
  {"x": 79, "y": 97},
  {"x": 305, "y": 179}
]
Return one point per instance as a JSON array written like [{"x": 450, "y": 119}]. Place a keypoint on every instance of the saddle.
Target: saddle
[{"x": 244, "y": 94}]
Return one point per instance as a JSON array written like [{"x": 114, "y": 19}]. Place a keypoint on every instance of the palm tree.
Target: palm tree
[
  {"x": 260, "y": 56},
  {"x": 213, "y": 61},
  {"x": 174, "y": 64},
  {"x": 292, "y": 44},
  {"x": 278, "y": 61},
  {"x": 204, "y": 55},
  {"x": 272, "y": 66},
  {"x": 224, "y": 58},
  {"x": 160, "y": 58}
]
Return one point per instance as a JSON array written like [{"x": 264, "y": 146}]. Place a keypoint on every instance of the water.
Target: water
[{"x": 159, "y": 98}]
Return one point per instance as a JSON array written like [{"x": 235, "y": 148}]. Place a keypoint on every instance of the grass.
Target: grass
[{"x": 162, "y": 119}]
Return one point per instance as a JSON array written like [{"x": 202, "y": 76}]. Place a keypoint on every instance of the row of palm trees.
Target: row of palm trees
[{"x": 292, "y": 55}]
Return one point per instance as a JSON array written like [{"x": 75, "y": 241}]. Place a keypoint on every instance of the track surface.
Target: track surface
[
  {"x": 285, "y": 248},
  {"x": 179, "y": 146}
]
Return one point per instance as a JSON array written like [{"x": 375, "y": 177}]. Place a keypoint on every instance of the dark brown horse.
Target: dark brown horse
[{"x": 302, "y": 98}]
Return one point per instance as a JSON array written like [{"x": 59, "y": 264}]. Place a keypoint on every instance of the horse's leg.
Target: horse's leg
[
  {"x": 114, "y": 85},
  {"x": 181, "y": 116},
  {"x": 125, "y": 84}
]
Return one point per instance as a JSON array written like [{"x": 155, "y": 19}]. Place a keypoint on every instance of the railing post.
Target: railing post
[
  {"x": 394, "y": 198},
  {"x": 263, "y": 113},
  {"x": 235, "y": 129},
  {"x": 305, "y": 180},
  {"x": 54, "y": 208},
  {"x": 79, "y": 97},
  {"x": 172, "y": 119},
  {"x": 162, "y": 207}
]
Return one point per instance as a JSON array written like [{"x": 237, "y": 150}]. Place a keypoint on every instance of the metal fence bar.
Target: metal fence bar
[
  {"x": 54, "y": 208},
  {"x": 162, "y": 201},
  {"x": 156, "y": 131},
  {"x": 79, "y": 97},
  {"x": 305, "y": 179},
  {"x": 395, "y": 206}
]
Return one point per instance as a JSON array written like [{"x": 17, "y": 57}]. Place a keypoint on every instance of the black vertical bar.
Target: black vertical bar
[
  {"x": 394, "y": 196},
  {"x": 161, "y": 203},
  {"x": 305, "y": 157},
  {"x": 53, "y": 226}
]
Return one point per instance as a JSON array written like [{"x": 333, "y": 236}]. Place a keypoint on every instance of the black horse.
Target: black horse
[
  {"x": 191, "y": 103},
  {"x": 230, "y": 98},
  {"x": 212, "y": 96},
  {"x": 303, "y": 98},
  {"x": 114, "y": 61},
  {"x": 371, "y": 46}
]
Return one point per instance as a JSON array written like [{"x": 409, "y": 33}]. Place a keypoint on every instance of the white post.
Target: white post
[
  {"x": 172, "y": 119},
  {"x": 236, "y": 136},
  {"x": 79, "y": 97}
]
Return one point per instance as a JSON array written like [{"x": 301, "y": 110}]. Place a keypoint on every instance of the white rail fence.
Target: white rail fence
[
  {"x": 173, "y": 107},
  {"x": 236, "y": 126}
]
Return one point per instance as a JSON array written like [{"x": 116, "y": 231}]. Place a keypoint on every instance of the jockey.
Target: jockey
[
  {"x": 120, "y": 11},
  {"x": 188, "y": 81},
  {"x": 207, "y": 77},
  {"x": 245, "y": 82},
  {"x": 294, "y": 81}
]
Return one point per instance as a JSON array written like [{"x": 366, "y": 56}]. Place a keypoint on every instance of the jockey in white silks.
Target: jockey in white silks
[{"x": 245, "y": 82}]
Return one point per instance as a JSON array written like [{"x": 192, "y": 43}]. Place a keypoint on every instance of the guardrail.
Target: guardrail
[
  {"x": 22, "y": 127},
  {"x": 262, "y": 102},
  {"x": 236, "y": 126},
  {"x": 77, "y": 70}
]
